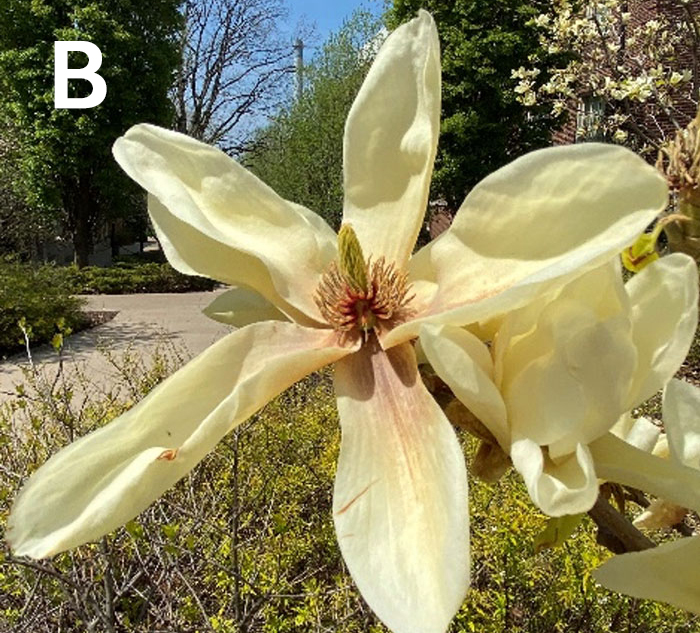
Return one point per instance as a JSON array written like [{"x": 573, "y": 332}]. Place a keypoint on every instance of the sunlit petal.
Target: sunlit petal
[
  {"x": 195, "y": 253},
  {"x": 669, "y": 573},
  {"x": 104, "y": 479},
  {"x": 390, "y": 142},
  {"x": 549, "y": 215},
  {"x": 664, "y": 319},
  {"x": 639, "y": 432},
  {"x": 208, "y": 191},
  {"x": 617, "y": 461},
  {"x": 681, "y": 408},
  {"x": 400, "y": 499}
]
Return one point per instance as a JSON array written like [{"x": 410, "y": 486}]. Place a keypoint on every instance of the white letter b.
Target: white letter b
[{"x": 62, "y": 74}]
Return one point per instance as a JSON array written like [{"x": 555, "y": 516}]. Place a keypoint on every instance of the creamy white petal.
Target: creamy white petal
[
  {"x": 575, "y": 386},
  {"x": 104, "y": 479},
  {"x": 681, "y": 408},
  {"x": 240, "y": 307},
  {"x": 390, "y": 142},
  {"x": 205, "y": 189},
  {"x": 664, "y": 319},
  {"x": 639, "y": 432},
  {"x": 195, "y": 253},
  {"x": 616, "y": 460},
  {"x": 523, "y": 334},
  {"x": 668, "y": 573},
  {"x": 567, "y": 486},
  {"x": 531, "y": 225},
  {"x": 464, "y": 363},
  {"x": 400, "y": 498}
]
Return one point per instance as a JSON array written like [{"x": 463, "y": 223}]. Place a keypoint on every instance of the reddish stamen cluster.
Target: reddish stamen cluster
[{"x": 346, "y": 306}]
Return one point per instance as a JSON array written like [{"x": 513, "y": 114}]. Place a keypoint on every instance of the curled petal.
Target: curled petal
[
  {"x": 565, "y": 486},
  {"x": 390, "y": 142},
  {"x": 214, "y": 196},
  {"x": 532, "y": 225},
  {"x": 664, "y": 319},
  {"x": 400, "y": 498},
  {"x": 195, "y": 253},
  {"x": 464, "y": 363},
  {"x": 106, "y": 478},
  {"x": 668, "y": 573}
]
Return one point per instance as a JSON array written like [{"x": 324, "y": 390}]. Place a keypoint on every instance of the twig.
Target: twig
[
  {"x": 614, "y": 530},
  {"x": 109, "y": 587}
]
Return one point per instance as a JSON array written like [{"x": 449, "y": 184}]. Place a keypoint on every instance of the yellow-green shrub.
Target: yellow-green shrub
[{"x": 245, "y": 543}]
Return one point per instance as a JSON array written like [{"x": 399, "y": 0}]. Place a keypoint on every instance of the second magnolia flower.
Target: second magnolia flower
[{"x": 563, "y": 370}]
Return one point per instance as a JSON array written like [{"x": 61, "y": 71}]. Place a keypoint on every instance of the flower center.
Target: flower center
[{"x": 358, "y": 294}]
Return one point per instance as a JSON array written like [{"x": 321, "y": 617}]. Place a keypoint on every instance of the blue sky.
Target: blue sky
[{"x": 327, "y": 15}]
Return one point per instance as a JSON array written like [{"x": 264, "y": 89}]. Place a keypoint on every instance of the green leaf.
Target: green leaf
[
  {"x": 57, "y": 341},
  {"x": 558, "y": 529}
]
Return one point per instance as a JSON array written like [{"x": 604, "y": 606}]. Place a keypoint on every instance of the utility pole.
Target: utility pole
[{"x": 299, "y": 66}]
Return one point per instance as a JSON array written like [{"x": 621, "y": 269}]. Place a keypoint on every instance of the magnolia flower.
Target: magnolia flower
[
  {"x": 304, "y": 298},
  {"x": 670, "y": 572},
  {"x": 563, "y": 369}
]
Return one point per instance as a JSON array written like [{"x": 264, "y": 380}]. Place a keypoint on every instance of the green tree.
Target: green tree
[
  {"x": 300, "y": 154},
  {"x": 483, "y": 124},
  {"x": 65, "y": 159},
  {"x": 22, "y": 227}
]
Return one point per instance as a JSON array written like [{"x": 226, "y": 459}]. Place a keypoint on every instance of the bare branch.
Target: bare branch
[{"x": 233, "y": 60}]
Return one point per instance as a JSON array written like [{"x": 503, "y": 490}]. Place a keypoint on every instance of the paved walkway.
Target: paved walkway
[{"x": 143, "y": 322}]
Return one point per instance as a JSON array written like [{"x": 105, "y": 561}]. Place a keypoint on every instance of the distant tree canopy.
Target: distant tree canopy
[
  {"x": 483, "y": 124},
  {"x": 300, "y": 153},
  {"x": 234, "y": 63},
  {"x": 64, "y": 156}
]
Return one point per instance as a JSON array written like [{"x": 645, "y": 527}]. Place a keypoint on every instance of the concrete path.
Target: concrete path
[{"x": 143, "y": 322}]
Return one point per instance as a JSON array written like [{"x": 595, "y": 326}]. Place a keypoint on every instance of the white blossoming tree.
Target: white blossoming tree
[{"x": 632, "y": 73}]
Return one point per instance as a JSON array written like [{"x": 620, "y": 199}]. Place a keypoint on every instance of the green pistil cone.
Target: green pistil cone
[{"x": 351, "y": 260}]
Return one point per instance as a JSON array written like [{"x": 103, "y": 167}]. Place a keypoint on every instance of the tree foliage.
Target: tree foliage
[
  {"x": 22, "y": 227},
  {"x": 300, "y": 153},
  {"x": 65, "y": 155},
  {"x": 483, "y": 124}
]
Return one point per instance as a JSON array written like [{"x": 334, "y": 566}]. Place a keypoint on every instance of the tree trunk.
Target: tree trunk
[
  {"x": 79, "y": 206},
  {"x": 113, "y": 243},
  {"x": 82, "y": 242}
]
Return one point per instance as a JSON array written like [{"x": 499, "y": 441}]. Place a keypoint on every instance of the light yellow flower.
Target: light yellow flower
[
  {"x": 400, "y": 499},
  {"x": 563, "y": 369},
  {"x": 671, "y": 572}
]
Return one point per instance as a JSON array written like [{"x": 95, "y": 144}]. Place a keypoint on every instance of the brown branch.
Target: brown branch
[{"x": 615, "y": 531}]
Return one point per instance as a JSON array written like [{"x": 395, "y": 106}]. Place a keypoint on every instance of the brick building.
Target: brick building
[{"x": 587, "y": 113}]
